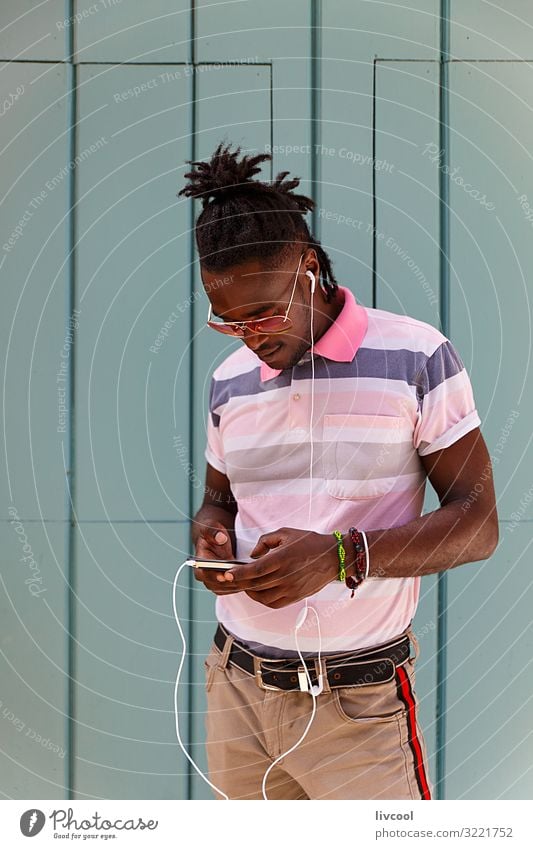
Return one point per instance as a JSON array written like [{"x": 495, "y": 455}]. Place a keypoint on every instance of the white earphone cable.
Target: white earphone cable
[
  {"x": 312, "y": 408},
  {"x": 313, "y": 690},
  {"x": 184, "y": 750}
]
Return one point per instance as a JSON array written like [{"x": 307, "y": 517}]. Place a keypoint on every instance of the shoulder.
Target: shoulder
[
  {"x": 388, "y": 331},
  {"x": 237, "y": 375},
  {"x": 240, "y": 361},
  {"x": 411, "y": 349}
]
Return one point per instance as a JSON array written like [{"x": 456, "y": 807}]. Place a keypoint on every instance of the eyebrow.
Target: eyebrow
[{"x": 249, "y": 315}]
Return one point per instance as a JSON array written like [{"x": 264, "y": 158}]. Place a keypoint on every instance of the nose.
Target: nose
[{"x": 254, "y": 340}]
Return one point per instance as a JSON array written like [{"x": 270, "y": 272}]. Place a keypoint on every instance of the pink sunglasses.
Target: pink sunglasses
[{"x": 271, "y": 324}]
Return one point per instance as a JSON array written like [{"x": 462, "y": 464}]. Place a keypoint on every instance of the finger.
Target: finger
[
  {"x": 270, "y": 598},
  {"x": 208, "y": 553},
  {"x": 209, "y": 580},
  {"x": 266, "y": 542},
  {"x": 214, "y": 552},
  {"x": 248, "y": 574},
  {"x": 216, "y": 539},
  {"x": 267, "y": 571}
]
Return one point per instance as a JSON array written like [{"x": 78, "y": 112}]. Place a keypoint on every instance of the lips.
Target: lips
[{"x": 268, "y": 353}]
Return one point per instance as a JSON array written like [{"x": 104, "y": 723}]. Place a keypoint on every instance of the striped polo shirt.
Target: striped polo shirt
[{"x": 388, "y": 389}]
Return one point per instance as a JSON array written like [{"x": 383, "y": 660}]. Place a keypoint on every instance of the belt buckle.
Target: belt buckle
[{"x": 258, "y": 675}]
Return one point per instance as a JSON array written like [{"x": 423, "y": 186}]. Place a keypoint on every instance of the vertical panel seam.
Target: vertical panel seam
[
  {"x": 315, "y": 110},
  {"x": 70, "y": 297},
  {"x": 191, "y": 440},
  {"x": 374, "y": 202},
  {"x": 444, "y": 280},
  {"x": 271, "y": 68}
]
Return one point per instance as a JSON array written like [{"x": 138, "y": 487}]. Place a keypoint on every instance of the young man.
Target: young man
[{"x": 393, "y": 406}]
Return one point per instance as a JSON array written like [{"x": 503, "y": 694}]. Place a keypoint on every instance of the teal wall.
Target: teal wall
[{"x": 102, "y": 453}]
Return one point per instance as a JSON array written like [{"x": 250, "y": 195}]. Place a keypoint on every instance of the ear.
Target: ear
[{"x": 312, "y": 279}]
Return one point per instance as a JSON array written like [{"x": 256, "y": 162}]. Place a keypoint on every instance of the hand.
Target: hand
[
  {"x": 291, "y": 565},
  {"x": 214, "y": 542}
]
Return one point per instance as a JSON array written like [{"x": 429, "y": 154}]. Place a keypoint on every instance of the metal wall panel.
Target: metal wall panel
[
  {"x": 35, "y": 334},
  {"x": 407, "y": 189},
  {"x": 489, "y": 690},
  {"x": 354, "y": 35},
  {"x": 277, "y": 34},
  {"x": 33, "y": 31},
  {"x": 35, "y": 345},
  {"x": 480, "y": 30},
  {"x": 129, "y": 31},
  {"x": 127, "y": 652},
  {"x": 33, "y": 660},
  {"x": 132, "y": 293},
  {"x": 491, "y": 139}
]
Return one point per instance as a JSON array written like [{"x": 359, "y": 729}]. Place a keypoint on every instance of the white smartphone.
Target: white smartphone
[{"x": 220, "y": 565}]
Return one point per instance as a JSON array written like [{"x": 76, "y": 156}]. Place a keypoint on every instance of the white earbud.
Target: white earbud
[
  {"x": 312, "y": 279},
  {"x": 316, "y": 689}
]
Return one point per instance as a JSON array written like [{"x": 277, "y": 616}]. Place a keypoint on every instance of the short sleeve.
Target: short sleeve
[
  {"x": 214, "y": 452},
  {"x": 446, "y": 407}
]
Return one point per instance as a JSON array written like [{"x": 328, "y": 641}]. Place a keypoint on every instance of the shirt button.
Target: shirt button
[{"x": 296, "y": 396}]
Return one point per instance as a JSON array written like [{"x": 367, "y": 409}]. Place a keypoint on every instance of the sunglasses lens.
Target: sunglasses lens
[
  {"x": 272, "y": 324},
  {"x": 229, "y": 330}
]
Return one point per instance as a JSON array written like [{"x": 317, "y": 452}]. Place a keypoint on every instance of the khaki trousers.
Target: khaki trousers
[{"x": 363, "y": 743}]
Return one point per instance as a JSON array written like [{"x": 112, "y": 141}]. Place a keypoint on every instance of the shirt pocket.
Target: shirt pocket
[{"x": 363, "y": 454}]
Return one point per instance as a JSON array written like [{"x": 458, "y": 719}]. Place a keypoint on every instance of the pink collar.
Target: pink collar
[{"x": 342, "y": 338}]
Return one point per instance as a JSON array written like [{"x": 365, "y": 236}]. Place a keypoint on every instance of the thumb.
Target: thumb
[
  {"x": 220, "y": 537},
  {"x": 215, "y": 533},
  {"x": 266, "y": 542},
  {"x": 219, "y": 534}
]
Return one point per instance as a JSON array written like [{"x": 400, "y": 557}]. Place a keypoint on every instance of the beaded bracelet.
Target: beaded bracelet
[
  {"x": 341, "y": 551},
  {"x": 367, "y": 553},
  {"x": 362, "y": 560}
]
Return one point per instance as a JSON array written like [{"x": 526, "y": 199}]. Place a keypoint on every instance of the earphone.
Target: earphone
[
  {"x": 313, "y": 689},
  {"x": 316, "y": 689}
]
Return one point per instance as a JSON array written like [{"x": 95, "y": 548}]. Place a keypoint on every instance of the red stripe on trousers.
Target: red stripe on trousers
[{"x": 407, "y": 696}]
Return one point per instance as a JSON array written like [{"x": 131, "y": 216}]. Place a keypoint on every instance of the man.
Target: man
[{"x": 393, "y": 407}]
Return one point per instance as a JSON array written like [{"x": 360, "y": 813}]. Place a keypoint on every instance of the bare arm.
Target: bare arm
[
  {"x": 219, "y": 508},
  {"x": 293, "y": 564},
  {"x": 462, "y": 530},
  {"x": 216, "y": 515}
]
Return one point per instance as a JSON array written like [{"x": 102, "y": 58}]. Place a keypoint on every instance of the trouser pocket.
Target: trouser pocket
[{"x": 211, "y": 665}]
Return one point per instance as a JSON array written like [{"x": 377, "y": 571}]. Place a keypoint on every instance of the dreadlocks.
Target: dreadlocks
[{"x": 243, "y": 219}]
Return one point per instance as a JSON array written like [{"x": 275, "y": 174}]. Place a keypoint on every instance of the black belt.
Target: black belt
[{"x": 374, "y": 666}]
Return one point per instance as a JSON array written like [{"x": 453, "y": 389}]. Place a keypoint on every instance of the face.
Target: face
[{"x": 255, "y": 290}]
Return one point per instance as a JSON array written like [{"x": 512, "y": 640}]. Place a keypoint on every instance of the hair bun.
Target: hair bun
[
  {"x": 261, "y": 220},
  {"x": 223, "y": 175}
]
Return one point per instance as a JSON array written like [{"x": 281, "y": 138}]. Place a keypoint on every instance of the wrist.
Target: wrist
[
  {"x": 332, "y": 559},
  {"x": 361, "y": 561},
  {"x": 350, "y": 561},
  {"x": 207, "y": 516}
]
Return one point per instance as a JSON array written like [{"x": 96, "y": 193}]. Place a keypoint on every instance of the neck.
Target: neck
[{"x": 326, "y": 313}]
